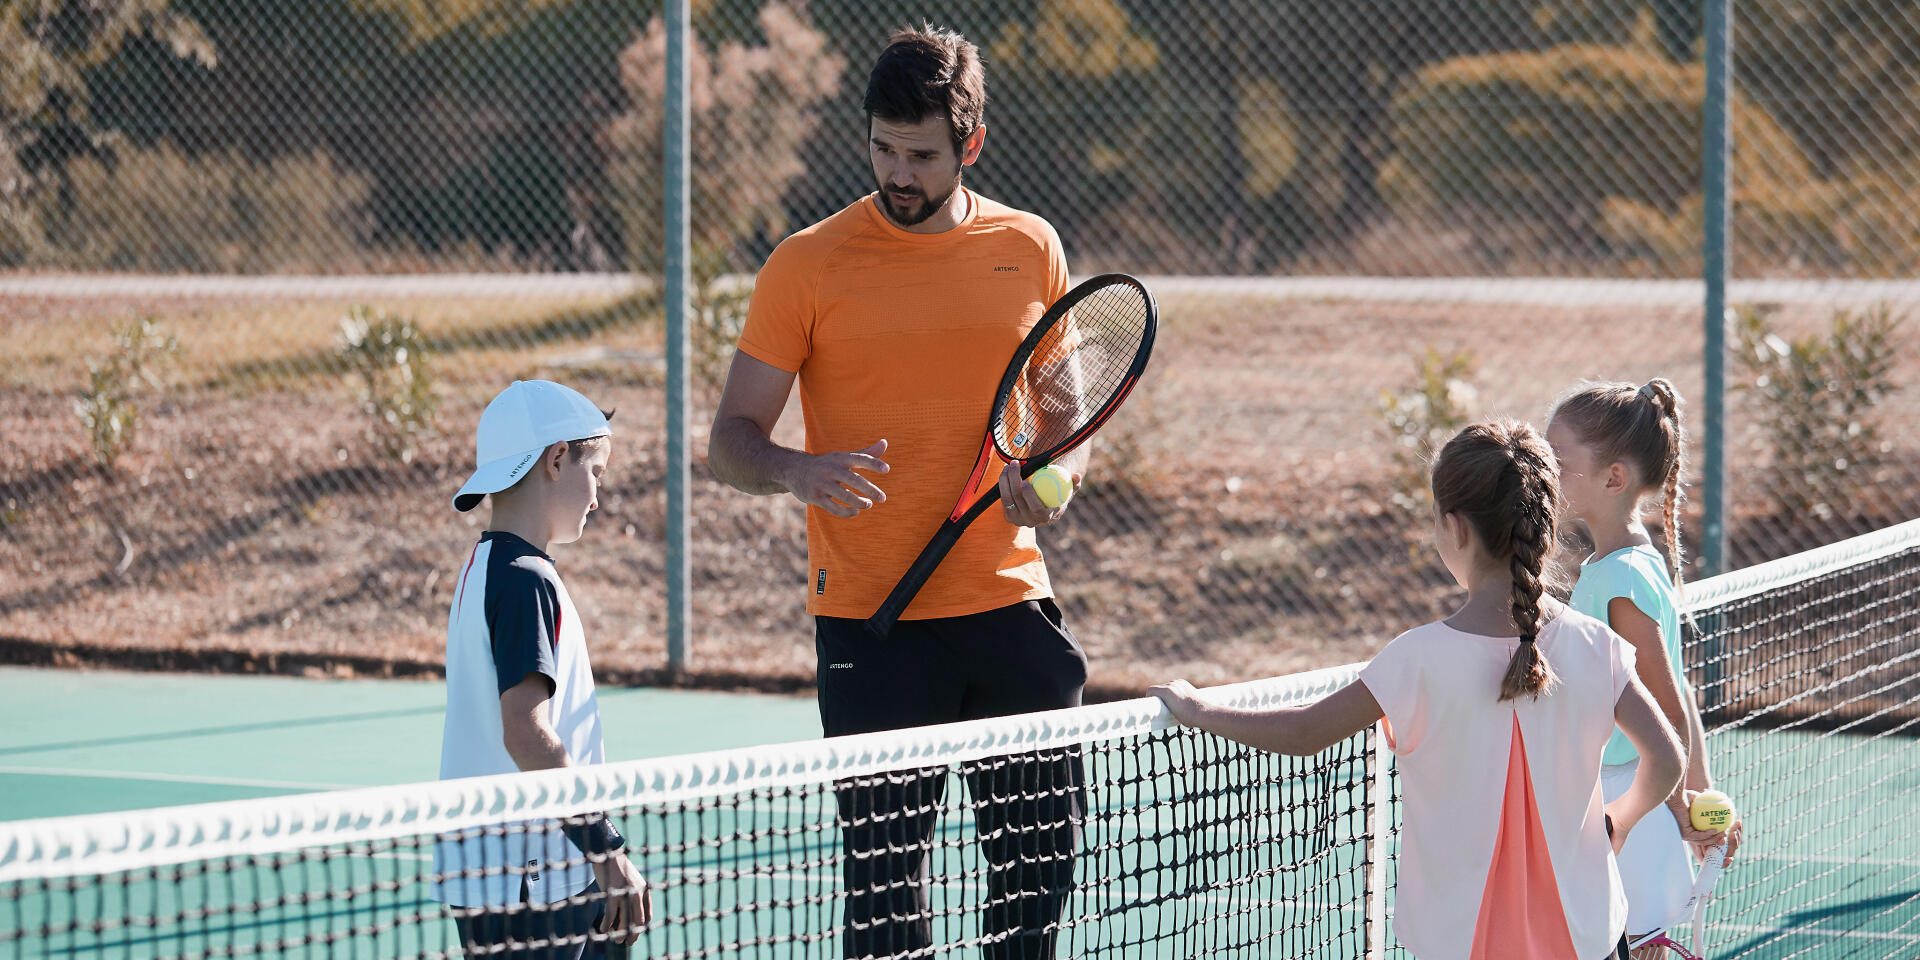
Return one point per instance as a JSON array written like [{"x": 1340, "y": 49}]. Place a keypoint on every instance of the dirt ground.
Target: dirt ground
[{"x": 1240, "y": 518}]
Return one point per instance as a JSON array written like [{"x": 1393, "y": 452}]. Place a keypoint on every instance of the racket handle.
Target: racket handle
[
  {"x": 1710, "y": 867},
  {"x": 881, "y": 623}
]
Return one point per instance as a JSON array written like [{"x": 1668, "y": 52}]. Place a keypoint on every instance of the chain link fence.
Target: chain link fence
[{"x": 1368, "y": 223}]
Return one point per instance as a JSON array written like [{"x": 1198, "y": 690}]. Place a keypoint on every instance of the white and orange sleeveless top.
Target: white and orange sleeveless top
[{"x": 1503, "y": 848}]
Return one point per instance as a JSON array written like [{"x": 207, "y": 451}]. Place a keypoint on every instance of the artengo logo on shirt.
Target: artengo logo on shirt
[{"x": 1006, "y": 269}]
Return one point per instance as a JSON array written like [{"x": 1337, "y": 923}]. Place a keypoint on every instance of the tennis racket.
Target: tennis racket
[
  {"x": 1073, "y": 370},
  {"x": 1696, "y": 910}
]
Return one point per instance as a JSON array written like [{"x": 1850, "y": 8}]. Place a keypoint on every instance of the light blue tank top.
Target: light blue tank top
[{"x": 1640, "y": 574}]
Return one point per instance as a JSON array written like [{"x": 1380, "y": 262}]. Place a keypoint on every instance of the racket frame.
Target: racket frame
[{"x": 965, "y": 512}]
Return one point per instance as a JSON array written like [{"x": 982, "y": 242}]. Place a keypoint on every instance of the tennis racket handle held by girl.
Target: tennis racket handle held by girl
[
  {"x": 1073, "y": 370},
  {"x": 1703, "y": 882}
]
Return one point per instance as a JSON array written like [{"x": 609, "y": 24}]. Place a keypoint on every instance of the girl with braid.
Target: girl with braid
[
  {"x": 1496, "y": 716},
  {"x": 1619, "y": 444}
]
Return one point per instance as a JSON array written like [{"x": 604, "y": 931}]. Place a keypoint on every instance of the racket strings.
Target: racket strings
[{"x": 1075, "y": 372}]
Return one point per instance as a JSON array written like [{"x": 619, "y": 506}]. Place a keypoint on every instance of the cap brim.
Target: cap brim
[{"x": 493, "y": 477}]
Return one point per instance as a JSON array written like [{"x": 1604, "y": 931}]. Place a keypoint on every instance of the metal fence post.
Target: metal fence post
[
  {"x": 1716, "y": 169},
  {"x": 679, "y": 603},
  {"x": 1716, "y": 142}
]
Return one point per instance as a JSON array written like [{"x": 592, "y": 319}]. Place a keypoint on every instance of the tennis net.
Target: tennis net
[
  {"x": 1808, "y": 674},
  {"x": 1096, "y": 831}
]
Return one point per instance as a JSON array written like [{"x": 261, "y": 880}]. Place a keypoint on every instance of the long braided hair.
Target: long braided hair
[
  {"x": 1501, "y": 476},
  {"x": 1640, "y": 427}
]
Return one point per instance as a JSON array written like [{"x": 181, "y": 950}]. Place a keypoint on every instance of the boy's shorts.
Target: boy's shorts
[{"x": 563, "y": 921}]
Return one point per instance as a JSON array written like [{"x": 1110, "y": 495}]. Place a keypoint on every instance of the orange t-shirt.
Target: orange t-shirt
[{"x": 905, "y": 336}]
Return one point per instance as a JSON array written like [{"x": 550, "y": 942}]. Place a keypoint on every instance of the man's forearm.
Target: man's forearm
[
  {"x": 1076, "y": 461},
  {"x": 742, "y": 457}
]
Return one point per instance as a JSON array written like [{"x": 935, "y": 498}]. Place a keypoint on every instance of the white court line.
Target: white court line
[
  {"x": 1866, "y": 861},
  {"x": 172, "y": 778},
  {"x": 1815, "y": 931}
]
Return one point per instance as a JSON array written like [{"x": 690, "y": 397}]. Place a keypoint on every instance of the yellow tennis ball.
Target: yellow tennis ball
[
  {"x": 1052, "y": 484},
  {"x": 1711, "y": 811}
]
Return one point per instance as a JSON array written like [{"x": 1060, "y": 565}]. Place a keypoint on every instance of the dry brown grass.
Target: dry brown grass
[{"x": 1239, "y": 521}]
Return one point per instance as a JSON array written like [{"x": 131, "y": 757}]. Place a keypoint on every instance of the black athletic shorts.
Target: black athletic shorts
[
  {"x": 1027, "y": 808},
  {"x": 1015, "y": 659}
]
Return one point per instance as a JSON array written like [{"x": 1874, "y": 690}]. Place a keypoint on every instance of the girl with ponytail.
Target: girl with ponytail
[
  {"x": 1497, "y": 716},
  {"x": 1618, "y": 445}
]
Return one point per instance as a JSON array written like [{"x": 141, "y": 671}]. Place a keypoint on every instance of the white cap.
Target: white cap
[{"x": 525, "y": 419}]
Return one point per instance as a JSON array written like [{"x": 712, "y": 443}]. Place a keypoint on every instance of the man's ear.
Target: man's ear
[{"x": 970, "y": 148}]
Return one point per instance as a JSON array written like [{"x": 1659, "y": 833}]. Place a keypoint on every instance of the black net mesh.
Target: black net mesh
[
  {"x": 1146, "y": 844},
  {"x": 1809, "y": 683}
]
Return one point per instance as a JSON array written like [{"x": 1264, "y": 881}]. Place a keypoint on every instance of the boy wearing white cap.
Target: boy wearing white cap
[{"x": 520, "y": 690}]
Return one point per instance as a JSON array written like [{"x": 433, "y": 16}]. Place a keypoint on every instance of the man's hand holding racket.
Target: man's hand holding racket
[
  {"x": 834, "y": 481},
  {"x": 1022, "y": 503}
]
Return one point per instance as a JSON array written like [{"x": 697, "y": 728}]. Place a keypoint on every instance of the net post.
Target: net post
[
  {"x": 1379, "y": 826},
  {"x": 677, "y": 305}
]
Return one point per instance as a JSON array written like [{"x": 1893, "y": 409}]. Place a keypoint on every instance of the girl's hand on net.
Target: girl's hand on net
[{"x": 1181, "y": 699}]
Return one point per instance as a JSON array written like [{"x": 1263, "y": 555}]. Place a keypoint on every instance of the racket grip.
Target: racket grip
[
  {"x": 1710, "y": 867},
  {"x": 881, "y": 623},
  {"x": 936, "y": 550}
]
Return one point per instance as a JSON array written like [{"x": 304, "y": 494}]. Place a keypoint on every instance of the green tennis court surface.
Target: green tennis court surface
[
  {"x": 1808, "y": 669},
  {"x": 124, "y": 741},
  {"x": 1279, "y": 858},
  {"x": 89, "y": 742}
]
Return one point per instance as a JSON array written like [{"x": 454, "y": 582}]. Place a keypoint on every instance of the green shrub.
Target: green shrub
[
  {"x": 164, "y": 211},
  {"x": 719, "y": 317},
  {"x": 1865, "y": 226},
  {"x": 1553, "y": 138},
  {"x": 109, "y": 405},
  {"x": 1421, "y": 417},
  {"x": 753, "y": 111},
  {"x": 389, "y": 355},
  {"x": 1819, "y": 398},
  {"x": 19, "y": 221}
]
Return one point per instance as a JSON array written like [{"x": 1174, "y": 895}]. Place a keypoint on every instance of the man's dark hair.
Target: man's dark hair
[{"x": 929, "y": 72}]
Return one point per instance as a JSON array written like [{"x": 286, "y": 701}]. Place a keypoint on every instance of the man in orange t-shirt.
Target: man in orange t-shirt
[{"x": 899, "y": 315}]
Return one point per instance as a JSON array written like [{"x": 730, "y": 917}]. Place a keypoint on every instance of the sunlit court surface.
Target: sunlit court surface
[
  {"x": 1189, "y": 845},
  {"x": 264, "y": 267}
]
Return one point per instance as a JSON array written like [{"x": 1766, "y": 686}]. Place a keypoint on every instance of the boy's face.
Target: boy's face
[{"x": 577, "y": 489}]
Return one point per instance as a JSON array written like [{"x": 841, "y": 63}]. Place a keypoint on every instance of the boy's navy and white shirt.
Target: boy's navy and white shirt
[{"x": 511, "y": 617}]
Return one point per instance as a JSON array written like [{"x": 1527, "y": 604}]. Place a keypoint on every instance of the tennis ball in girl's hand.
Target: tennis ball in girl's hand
[
  {"x": 1052, "y": 484},
  {"x": 1711, "y": 811}
]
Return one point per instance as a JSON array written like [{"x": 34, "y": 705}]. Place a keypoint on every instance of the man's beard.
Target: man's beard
[{"x": 917, "y": 214}]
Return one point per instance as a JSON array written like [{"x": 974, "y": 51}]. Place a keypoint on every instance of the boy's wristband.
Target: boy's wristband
[{"x": 595, "y": 837}]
